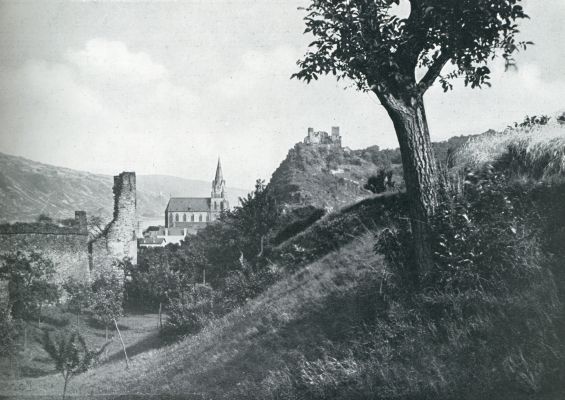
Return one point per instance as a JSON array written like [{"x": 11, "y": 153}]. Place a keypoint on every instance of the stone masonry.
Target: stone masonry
[
  {"x": 66, "y": 247},
  {"x": 118, "y": 239}
]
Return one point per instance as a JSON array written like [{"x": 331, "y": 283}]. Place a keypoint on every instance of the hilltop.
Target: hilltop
[
  {"x": 326, "y": 177},
  {"x": 330, "y": 177},
  {"x": 29, "y": 188}
]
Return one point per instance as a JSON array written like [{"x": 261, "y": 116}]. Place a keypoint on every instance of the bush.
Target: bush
[
  {"x": 189, "y": 310},
  {"x": 491, "y": 296},
  {"x": 247, "y": 283}
]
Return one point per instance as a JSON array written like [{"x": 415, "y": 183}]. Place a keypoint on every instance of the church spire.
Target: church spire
[
  {"x": 218, "y": 184},
  {"x": 219, "y": 175}
]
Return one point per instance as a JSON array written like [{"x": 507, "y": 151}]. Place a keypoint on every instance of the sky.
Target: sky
[{"x": 167, "y": 87}]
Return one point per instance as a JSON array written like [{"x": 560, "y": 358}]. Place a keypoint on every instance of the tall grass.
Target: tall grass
[{"x": 536, "y": 152}]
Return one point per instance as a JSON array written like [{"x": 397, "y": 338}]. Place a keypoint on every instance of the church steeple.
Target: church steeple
[
  {"x": 219, "y": 175},
  {"x": 218, "y": 184}
]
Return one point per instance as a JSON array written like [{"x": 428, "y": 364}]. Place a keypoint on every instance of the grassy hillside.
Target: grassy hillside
[
  {"x": 29, "y": 188},
  {"x": 323, "y": 177}
]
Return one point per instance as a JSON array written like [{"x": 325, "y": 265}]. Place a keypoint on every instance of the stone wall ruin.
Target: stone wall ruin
[{"x": 118, "y": 240}]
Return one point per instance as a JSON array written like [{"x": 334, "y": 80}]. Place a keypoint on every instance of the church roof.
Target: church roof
[{"x": 183, "y": 204}]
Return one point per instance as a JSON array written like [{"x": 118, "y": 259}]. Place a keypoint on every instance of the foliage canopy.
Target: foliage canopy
[{"x": 366, "y": 41}]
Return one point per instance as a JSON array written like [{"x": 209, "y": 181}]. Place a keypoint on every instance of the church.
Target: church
[{"x": 193, "y": 213}]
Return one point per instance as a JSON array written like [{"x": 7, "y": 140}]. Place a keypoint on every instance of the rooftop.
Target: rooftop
[{"x": 184, "y": 204}]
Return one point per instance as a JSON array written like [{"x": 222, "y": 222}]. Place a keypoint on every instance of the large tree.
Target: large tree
[{"x": 368, "y": 42}]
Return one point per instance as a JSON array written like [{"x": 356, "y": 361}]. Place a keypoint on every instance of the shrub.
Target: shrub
[
  {"x": 189, "y": 310},
  {"x": 491, "y": 297},
  {"x": 247, "y": 283},
  {"x": 381, "y": 182}
]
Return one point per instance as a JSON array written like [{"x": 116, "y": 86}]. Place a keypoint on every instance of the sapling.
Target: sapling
[{"x": 70, "y": 355}]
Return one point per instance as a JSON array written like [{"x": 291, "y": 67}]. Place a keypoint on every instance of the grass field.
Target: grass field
[{"x": 140, "y": 333}]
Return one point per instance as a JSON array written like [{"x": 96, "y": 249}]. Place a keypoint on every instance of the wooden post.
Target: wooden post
[{"x": 123, "y": 345}]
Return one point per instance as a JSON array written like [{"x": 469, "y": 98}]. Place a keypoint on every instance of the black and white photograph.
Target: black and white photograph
[{"x": 282, "y": 199}]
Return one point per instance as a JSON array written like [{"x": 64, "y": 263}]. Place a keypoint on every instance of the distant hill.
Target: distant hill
[{"x": 29, "y": 188}]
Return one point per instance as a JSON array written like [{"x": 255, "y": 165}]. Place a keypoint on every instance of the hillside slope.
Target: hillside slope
[
  {"x": 249, "y": 344},
  {"x": 323, "y": 176},
  {"x": 29, "y": 188}
]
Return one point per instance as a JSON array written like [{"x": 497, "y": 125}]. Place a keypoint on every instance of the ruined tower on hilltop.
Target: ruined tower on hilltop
[
  {"x": 323, "y": 138},
  {"x": 118, "y": 240}
]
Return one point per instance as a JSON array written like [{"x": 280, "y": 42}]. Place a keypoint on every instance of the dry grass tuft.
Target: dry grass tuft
[{"x": 537, "y": 152}]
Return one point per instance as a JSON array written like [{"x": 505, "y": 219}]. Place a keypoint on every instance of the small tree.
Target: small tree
[
  {"x": 8, "y": 333},
  {"x": 79, "y": 296},
  {"x": 107, "y": 301},
  {"x": 70, "y": 355},
  {"x": 95, "y": 225},
  {"x": 30, "y": 285},
  {"x": 258, "y": 215}
]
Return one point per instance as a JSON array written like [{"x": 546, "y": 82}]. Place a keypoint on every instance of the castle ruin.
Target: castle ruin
[
  {"x": 323, "y": 138},
  {"x": 68, "y": 246}
]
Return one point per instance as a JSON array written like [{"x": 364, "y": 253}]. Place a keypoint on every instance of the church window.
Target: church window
[
  {"x": 192, "y": 217},
  {"x": 184, "y": 218},
  {"x": 222, "y": 206},
  {"x": 177, "y": 217},
  {"x": 200, "y": 218}
]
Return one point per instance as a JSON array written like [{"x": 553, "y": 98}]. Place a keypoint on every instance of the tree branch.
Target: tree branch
[{"x": 433, "y": 72}]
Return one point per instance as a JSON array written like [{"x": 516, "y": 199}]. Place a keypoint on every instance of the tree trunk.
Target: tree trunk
[
  {"x": 418, "y": 163},
  {"x": 123, "y": 345},
  {"x": 66, "y": 377},
  {"x": 160, "y": 315},
  {"x": 106, "y": 332}
]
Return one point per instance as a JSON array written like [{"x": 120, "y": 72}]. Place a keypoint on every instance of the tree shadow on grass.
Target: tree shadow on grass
[
  {"x": 153, "y": 341},
  {"x": 94, "y": 323}
]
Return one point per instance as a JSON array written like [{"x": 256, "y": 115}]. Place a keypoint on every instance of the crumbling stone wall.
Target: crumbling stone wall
[
  {"x": 66, "y": 247},
  {"x": 118, "y": 240}
]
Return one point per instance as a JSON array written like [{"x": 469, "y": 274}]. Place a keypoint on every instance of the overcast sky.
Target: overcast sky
[{"x": 166, "y": 87}]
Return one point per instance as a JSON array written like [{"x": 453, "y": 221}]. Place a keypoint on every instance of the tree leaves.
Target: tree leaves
[
  {"x": 364, "y": 41},
  {"x": 29, "y": 278}
]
